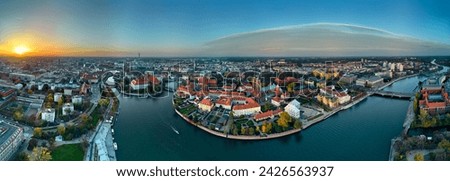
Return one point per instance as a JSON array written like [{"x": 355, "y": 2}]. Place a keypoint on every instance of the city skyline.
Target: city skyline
[{"x": 224, "y": 28}]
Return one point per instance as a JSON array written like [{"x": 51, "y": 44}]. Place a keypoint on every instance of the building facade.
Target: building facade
[
  {"x": 293, "y": 109},
  {"x": 11, "y": 138}
]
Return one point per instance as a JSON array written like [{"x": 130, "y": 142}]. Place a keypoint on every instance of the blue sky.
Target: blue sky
[{"x": 183, "y": 27}]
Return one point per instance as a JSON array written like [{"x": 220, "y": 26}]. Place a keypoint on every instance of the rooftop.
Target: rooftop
[{"x": 6, "y": 131}]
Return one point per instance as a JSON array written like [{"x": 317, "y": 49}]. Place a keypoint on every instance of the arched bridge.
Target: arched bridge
[{"x": 398, "y": 95}]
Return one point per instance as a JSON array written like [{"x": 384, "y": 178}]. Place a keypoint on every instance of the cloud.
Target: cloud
[{"x": 322, "y": 39}]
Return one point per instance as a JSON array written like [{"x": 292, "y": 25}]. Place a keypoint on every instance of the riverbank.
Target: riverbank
[
  {"x": 223, "y": 135},
  {"x": 329, "y": 114},
  {"x": 395, "y": 80},
  {"x": 306, "y": 124}
]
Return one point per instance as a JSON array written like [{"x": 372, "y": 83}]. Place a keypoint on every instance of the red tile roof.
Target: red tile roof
[
  {"x": 206, "y": 101},
  {"x": 250, "y": 104},
  {"x": 267, "y": 114},
  {"x": 224, "y": 101}
]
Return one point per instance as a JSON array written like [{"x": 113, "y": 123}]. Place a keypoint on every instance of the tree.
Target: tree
[
  {"x": 243, "y": 131},
  {"x": 32, "y": 144},
  {"x": 18, "y": 114},
  {"x": 290, "y": 87},
  {"x": 22, "y": 156},
  {"x": 37, "y": 132},
  {"x": 103, "y": 102},
  {"x": 40, "y": 154},
  {"x": 416, "y": 106},
  {"x": 67, "y": 111},
  {"x": 30, "y": 91},
  {"x": 235, "y": 131},
  {"x": 423, "y": 115},
  {"x": 297, "y": 124},
  {"x": 418, "y": 157},
  {"x": 444, "y": 144},
  {"x": 85, "y": 118},
  {"x": 50, "y": 98},
  {"x": 266, "y": 106},
  {"x": 61, "y": 129},
  {"x": 251, "y": 131},
  {"x": 60, "y": 102},
  {"x": 284, "y": 120}
]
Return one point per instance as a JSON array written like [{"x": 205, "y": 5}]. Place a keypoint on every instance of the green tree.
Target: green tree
[
  {"x": 266, "y": 107},
  {"x": 418, "y": 157},
  {"x": 251, "y": 131},
  {"x": 32, "y": 144},
  {"x": 22, "y": 156},
  {"x": 297, "y": 124},
  {"x": 103, "y": 102},
  {"x": 61, "y": 129},
  {"x": 235, "y": 131},
  {"x": 444, "y": 144},
  {"x": 243, "y": 131},
  {"x": 40, "y": 154},
  {"x": 416, "y": 106},
  {"x": 423, "y": 115},
  {"x": 290, "y": 87}
]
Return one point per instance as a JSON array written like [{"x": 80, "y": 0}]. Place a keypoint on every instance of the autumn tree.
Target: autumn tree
[
  {"x": 290, "y": 87},
  {"x": 60, "y": 102},
  {"x": 284, "y": 120},
  {"x": 418, "y": 157},
  {"x": 37, "y": 132},
  {"x": 61, "y": 129},
  {"x": 85, "y": 118},
  {"x": 103, "y": 102},
  {"x": 444, "y": 144},
  {"x": 18, "y": 114},
  {"x": 40, "y": 154}
]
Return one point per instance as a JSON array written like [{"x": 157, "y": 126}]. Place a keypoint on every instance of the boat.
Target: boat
[
  {"x": 112, "y": 131},
  {"x": 115, "y": 146},
  {"x": 174, "y": 130}
]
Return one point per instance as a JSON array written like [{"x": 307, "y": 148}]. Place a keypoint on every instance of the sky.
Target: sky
[{"x": 225, "y": 27}]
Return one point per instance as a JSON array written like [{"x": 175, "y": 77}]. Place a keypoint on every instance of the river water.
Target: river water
[{"x": 363, "y": 132}]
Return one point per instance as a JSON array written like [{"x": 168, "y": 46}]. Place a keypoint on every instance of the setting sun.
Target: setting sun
[{"x": 20, "y": 50}]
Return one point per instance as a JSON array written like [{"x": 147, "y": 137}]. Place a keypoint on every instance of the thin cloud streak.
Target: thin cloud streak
[{"x": 322, "y": 39}]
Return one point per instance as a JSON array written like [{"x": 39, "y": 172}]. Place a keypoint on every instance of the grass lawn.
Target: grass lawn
[
  {"x": 242, "y": 121},
  {"x": 187, "y": 110},
  {"x": 72, "y": 152}
]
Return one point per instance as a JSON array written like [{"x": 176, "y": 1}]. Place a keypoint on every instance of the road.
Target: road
[{"x": 92, "y": 138}]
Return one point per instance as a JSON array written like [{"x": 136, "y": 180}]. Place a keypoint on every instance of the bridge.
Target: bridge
[{"x": 398, "y": 95}]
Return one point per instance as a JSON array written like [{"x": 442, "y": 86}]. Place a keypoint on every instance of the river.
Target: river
[{"x": 363, "y": 132}]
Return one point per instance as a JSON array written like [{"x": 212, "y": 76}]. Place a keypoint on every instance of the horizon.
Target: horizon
[{"x": 224, "y": 29}]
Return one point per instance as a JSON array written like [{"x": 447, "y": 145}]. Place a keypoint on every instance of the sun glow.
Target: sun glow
[{"x": 20, "y": 50}]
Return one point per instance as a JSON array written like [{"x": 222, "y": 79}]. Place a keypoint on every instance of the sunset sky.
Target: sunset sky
[{"x": 224, "y": 28}]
